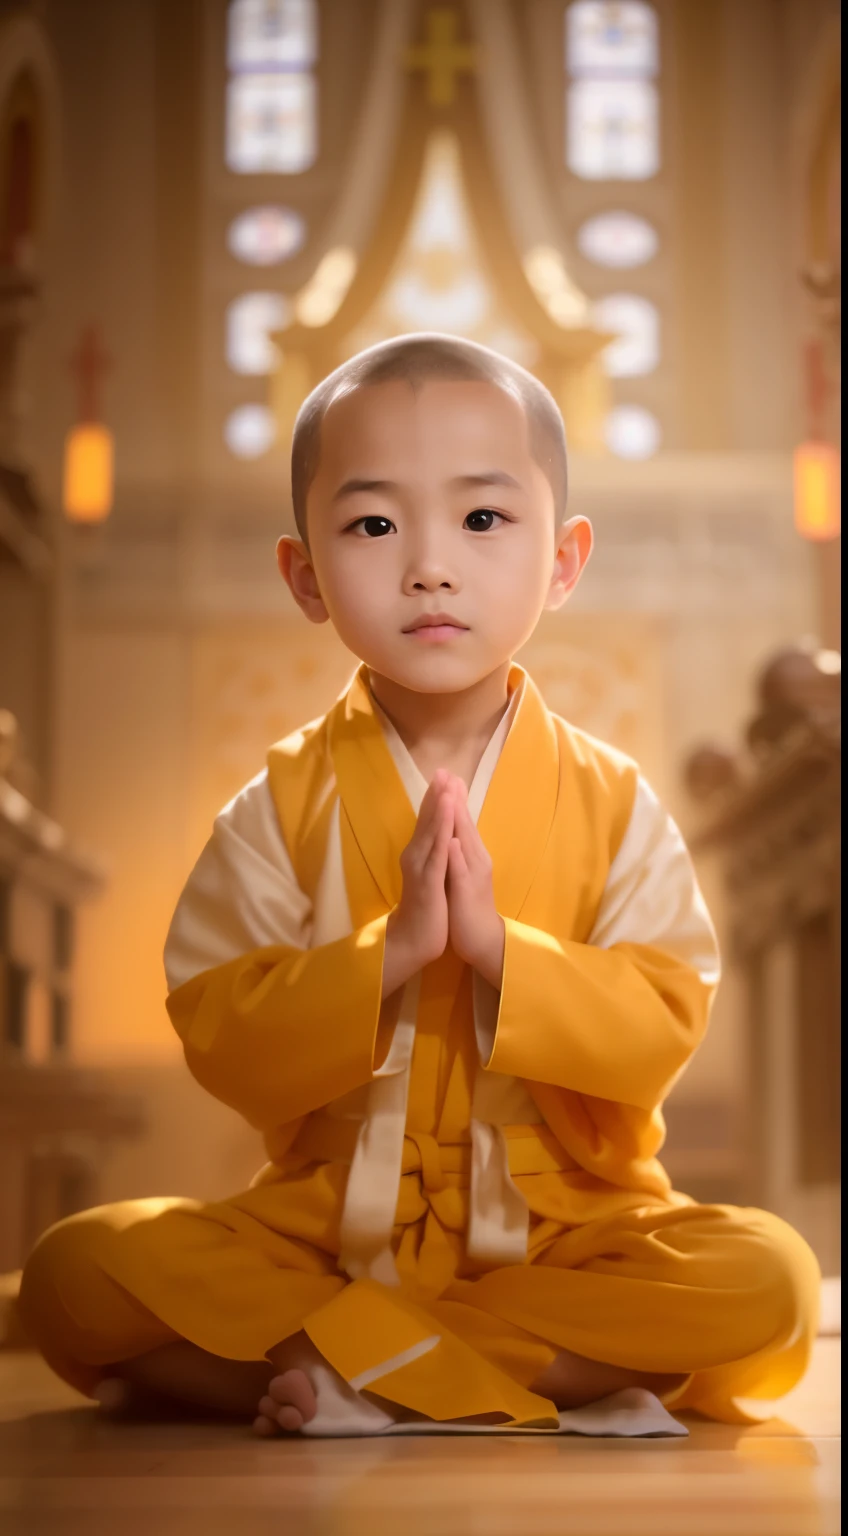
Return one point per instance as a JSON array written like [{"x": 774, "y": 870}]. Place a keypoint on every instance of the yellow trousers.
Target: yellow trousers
[{"x": 726, "y": 1297}]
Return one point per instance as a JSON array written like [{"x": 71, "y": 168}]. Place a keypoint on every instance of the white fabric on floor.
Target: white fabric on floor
[{"x": 634, "y": 1413}]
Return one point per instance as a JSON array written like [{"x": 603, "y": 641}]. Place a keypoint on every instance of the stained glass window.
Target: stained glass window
[
  {"x": 612, "y": 111},
  {"x": 272, "y": 34},
  {"x": 250, "y": 430},
  {"x": 271, "y": 123},
  {"x": 612, "y": 130},
  {"x": 617, "y": 240},
  {"x": 264, "y": 236},
  {"x": 631, "y": 432},
  {"x": 271, "y": 95},
  {"x": 250, "y": 320},
  {"x": 636, "y": 324},
  {"x": 611, "y": 39}
]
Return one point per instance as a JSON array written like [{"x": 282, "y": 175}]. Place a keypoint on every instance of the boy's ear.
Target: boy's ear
[
  {"x": 298, "y": 573},
  {"x": 574, "y": 546}
]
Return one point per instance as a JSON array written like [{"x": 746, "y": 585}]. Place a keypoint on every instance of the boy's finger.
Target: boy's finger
[
  {"x": 460, "y": 788},
  {"x": 457, "y": 862},
  {"x": 427, "y": 814},
  {"x": 442, "y": 834},
  {"x": 440, "y": 816},
  {"x": 436, "y": 787},
  {"x": 473, "y": 848},
  {"x": 445, "y": 822},
  {"x": 465, "y": 828}
]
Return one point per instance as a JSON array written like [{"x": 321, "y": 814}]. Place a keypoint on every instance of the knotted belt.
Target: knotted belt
[{"x": 431, "y": 1174}]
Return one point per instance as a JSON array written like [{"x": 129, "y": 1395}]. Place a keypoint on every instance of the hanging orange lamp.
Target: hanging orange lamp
[
  {"x": 89, "y": 473},
  {"x": 816, "y": 463},
  {"x": 88, "y": 481},
  {"x": 817, "y": 490}
]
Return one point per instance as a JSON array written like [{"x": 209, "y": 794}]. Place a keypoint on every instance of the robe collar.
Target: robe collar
[
  {"x": 413, "y": 779},
  {"x": 516, "y": 816}
]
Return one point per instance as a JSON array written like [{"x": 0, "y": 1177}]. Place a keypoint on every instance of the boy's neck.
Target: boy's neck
[{"x": 445, "y": 730}]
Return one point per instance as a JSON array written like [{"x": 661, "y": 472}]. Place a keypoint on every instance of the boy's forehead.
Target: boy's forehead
[{"x": 452, "y": 418}]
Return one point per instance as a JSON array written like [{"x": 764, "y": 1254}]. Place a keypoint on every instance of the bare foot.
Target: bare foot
[
  {"x": 113, "y": 1394},
  {"x": 572, "y": 1381},
  {"x": 121, "y": 1399},
  {"x": 290, "y": 1401}
]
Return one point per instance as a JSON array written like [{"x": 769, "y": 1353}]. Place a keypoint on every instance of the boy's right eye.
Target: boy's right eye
[{"x": 373, "y": 527}]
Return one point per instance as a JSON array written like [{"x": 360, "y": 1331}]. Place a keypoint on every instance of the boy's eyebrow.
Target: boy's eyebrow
[
  {"x": 489, "y": 477},
  {"x": 353, "y": 487}
]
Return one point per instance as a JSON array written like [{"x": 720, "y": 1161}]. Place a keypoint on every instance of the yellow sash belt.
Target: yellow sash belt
[
  {"x": 435, "y": 1176},
  {"x": 531, "y": 1149}
]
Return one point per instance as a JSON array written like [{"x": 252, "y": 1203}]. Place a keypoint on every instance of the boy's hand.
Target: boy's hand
[
  {"x": 476, "y": 928},
  {"x": 417, "y": 930}
]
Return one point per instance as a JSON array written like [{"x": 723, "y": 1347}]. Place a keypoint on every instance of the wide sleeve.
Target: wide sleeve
[
  {"x": 270, "y": 1026},
  {"x": 615, "y": 1018}
]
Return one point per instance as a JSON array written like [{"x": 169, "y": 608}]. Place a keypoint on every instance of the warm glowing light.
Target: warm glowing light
[
  {"x": 631, "y": 432},
  {"x": 556, "y": 291},
  {"x": 89, "y": 473},
  {"x": 817, "y": 492},
  {"x": 323, "y": 295}
]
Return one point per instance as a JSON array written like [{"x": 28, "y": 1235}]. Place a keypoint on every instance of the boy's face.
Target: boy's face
[{"x": 429, "y": 505}]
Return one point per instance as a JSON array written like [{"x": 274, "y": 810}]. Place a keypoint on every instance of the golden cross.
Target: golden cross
[{"x": 441, "y": 57}]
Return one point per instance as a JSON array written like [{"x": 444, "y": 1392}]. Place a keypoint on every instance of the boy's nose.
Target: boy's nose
[
  {"x": 426, "y": 572},
  {"x": 433, "y": 583}
]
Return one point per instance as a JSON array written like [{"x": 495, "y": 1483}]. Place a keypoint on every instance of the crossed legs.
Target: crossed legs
[{"x": 279, "y": 1395}]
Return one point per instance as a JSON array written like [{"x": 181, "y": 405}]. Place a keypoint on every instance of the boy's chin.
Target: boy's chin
[{"x": 434, "y": 674}]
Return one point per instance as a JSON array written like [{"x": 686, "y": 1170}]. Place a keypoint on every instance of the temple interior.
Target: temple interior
[{"x": 204, "y": 208}]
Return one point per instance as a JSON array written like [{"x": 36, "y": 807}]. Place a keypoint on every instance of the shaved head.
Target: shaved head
[{"x": 416, "y": 361}]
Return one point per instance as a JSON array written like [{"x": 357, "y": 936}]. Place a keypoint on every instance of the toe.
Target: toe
[
  {"x": 294, "y": 1389},
  {"x": 263, "y": 1425},
  {"x": 289, "y": 1418},
  {"x": 111, "y": 1393}
]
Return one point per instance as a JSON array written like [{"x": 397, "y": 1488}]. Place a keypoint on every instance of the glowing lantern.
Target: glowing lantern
[
  {"x": 817, "y": 492},
  {"x": 89, "y": 446},
  {"x": 89, "y": 460}
]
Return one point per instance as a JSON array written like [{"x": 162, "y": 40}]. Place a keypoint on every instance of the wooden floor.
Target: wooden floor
[{"x": 66, "y": 1470}]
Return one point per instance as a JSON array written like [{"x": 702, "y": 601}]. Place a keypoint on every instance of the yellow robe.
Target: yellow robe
[{"x": 460, "y": 1182}]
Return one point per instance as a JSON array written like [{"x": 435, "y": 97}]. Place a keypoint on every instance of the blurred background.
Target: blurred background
[{"x": 206, "y": 206}]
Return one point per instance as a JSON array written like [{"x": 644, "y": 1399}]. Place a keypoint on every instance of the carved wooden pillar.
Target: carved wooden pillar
[
  {"x": 18, "y": 292},
  {"x": 57, "y": 1120},
  {"x": 774, "y": 818}
]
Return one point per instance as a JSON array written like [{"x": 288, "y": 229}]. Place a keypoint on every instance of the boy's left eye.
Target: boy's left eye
[{"x": 481, "y": 520}]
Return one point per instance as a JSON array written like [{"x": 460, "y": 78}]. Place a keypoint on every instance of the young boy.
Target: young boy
[{"x": 448, "y": 954}]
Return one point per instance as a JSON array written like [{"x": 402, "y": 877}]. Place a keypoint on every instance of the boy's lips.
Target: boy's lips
[
  {"x": 434, "y": 621},
  {"x": 431, "y": 627}
]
